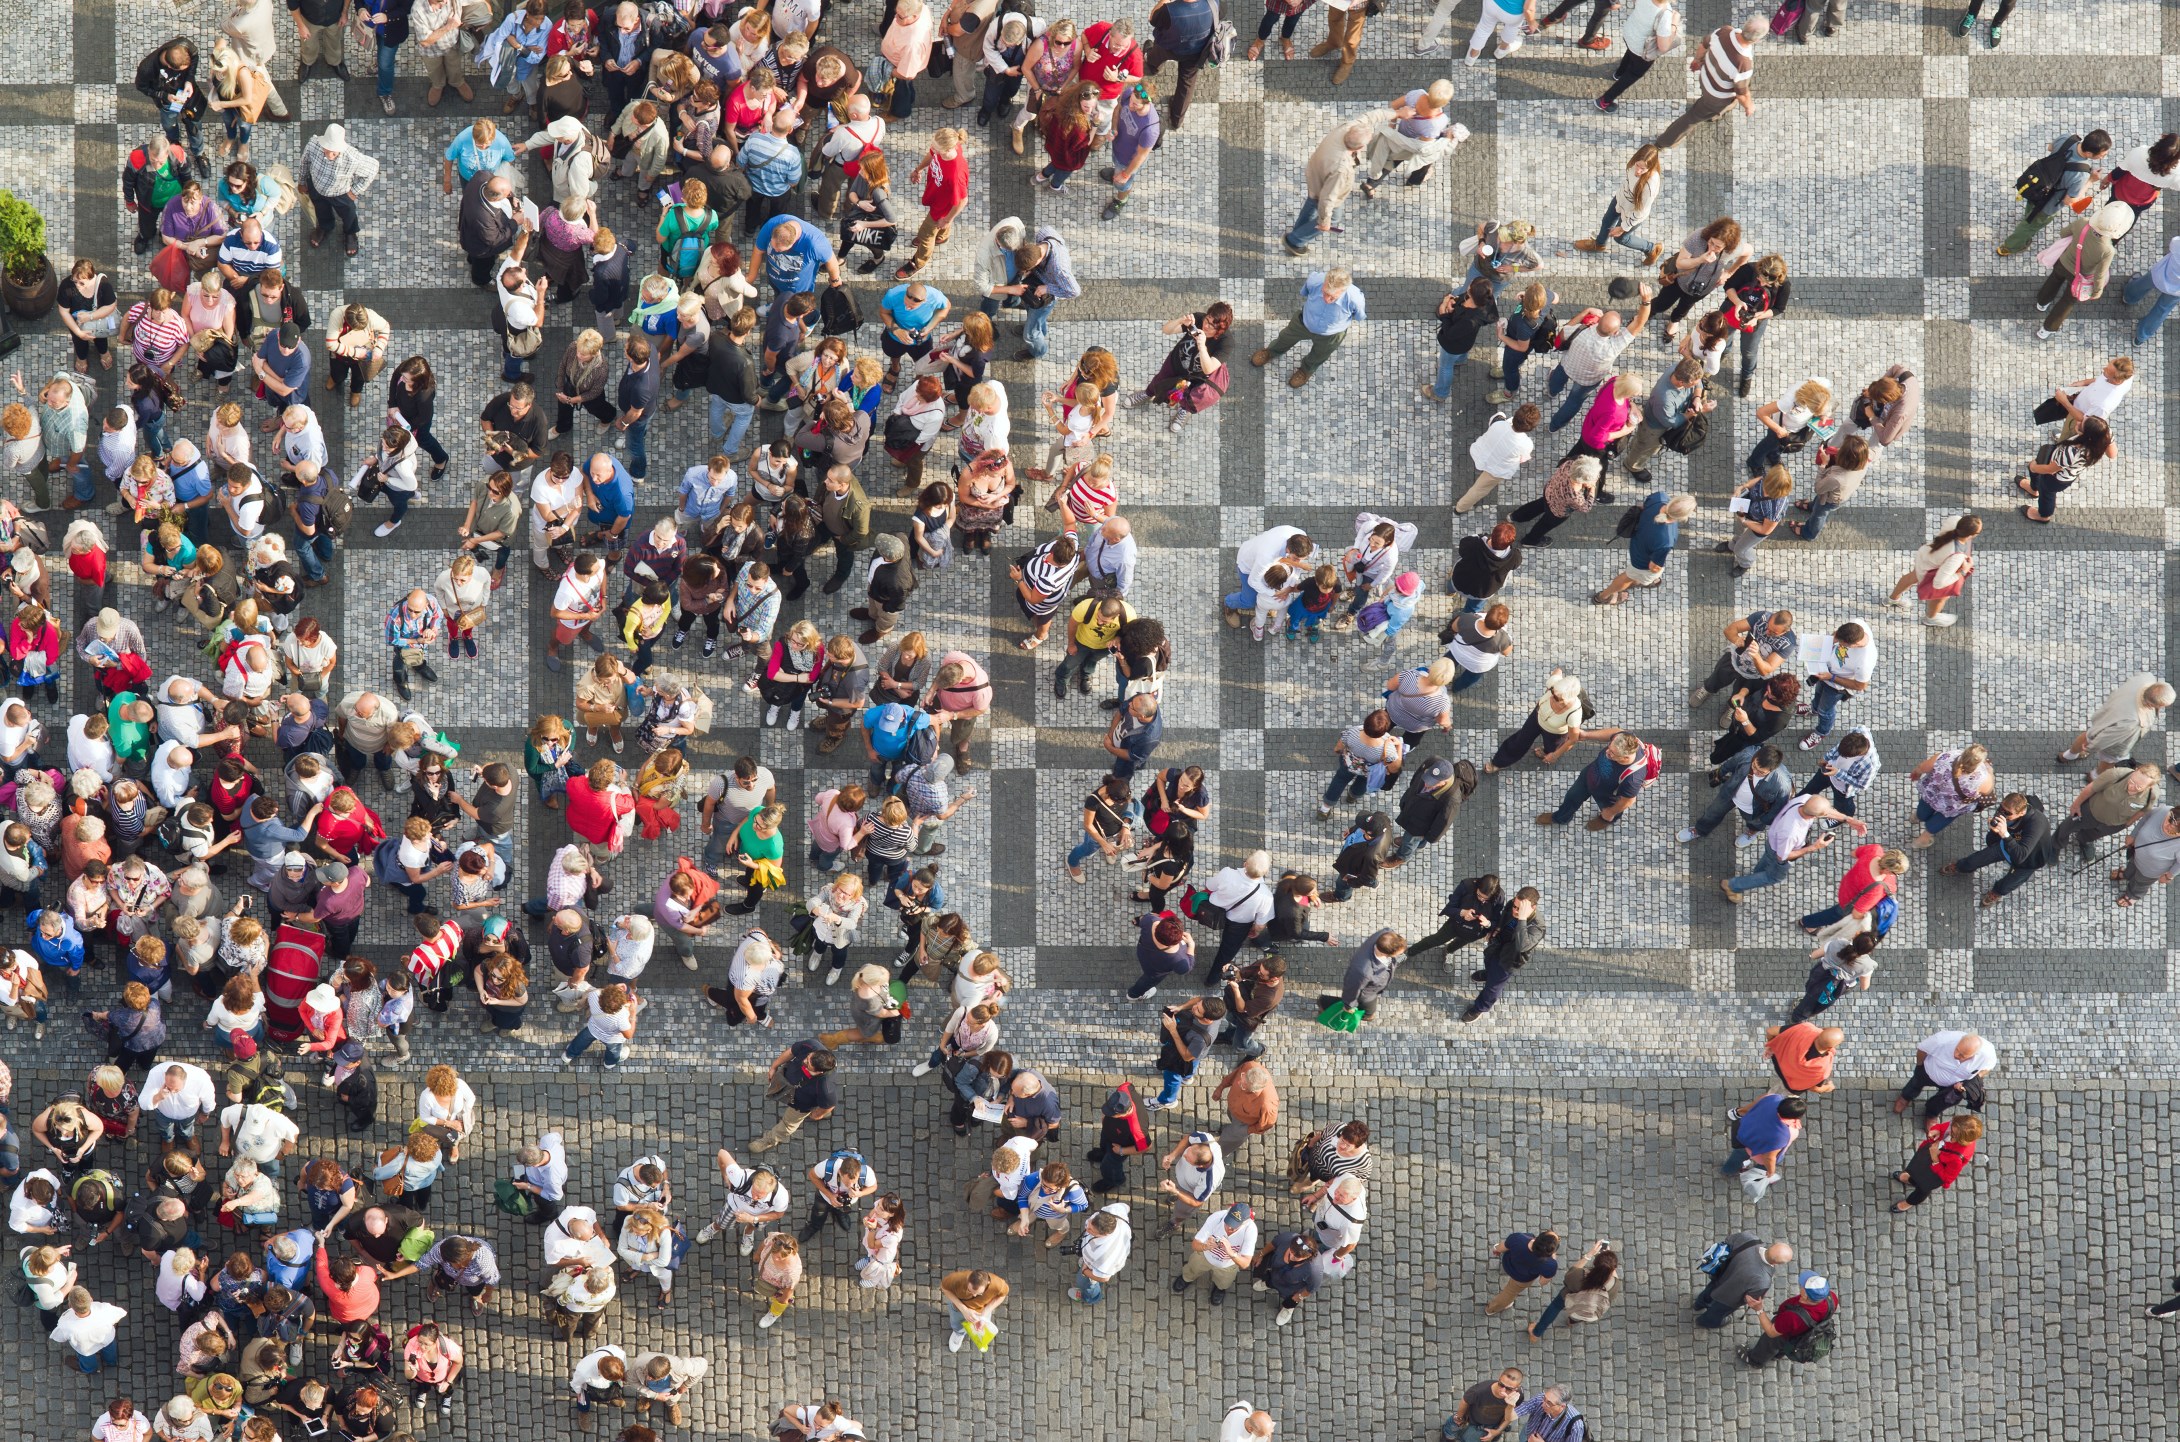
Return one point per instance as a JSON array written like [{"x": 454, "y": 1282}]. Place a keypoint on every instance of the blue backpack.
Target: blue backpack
[{"x": 1883, "y": 915}]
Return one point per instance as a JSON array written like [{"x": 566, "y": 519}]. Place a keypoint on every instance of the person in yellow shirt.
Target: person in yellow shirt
[{"x": 1093, "y": 629}]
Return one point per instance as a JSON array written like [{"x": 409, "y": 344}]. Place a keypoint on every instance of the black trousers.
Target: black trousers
[
  {"x": 1598, "y": 11},
  {"x": 1631, "y": 69},
  {"x": 1231, "y": 936},
  {"x": 821, "y": 1212},
  {"x": 1454, "y": 935},
  {"x": 601, "y": 410},
  {"x": 1943, "y": 1098}
]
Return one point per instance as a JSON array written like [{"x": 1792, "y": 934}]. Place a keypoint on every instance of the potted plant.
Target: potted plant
[{"x": 27, "y": 280}]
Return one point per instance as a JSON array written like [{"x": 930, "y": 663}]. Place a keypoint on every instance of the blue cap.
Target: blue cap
[
  {"x": 1238, "y": 1216},
  {"x": 1815, "y": 1285}
]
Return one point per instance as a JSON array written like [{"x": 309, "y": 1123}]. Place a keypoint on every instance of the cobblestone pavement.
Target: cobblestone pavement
[{"x": 1879, "y": 163}]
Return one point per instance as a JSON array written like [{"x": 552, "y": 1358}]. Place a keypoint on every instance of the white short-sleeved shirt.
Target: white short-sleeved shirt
[
  {"x": 1791, "y": 827},
  {"x": 1198, "y": 1183},
  {"x": 2102, "y": 397},
  {"x": 24, "y": 1214},
  {"x": 609, "y": 1026},
  {"x": 1337, "y": 1227},
  {"x": 1011, "y": 1180},
  {"x": 1240, "y": 1246},
  {"x": 1501, "y": 450},
  {"x": 560, "y": 1246},
  {"x": 259, "y": 1132},
  {"x": 558, "y": 494},
  {"x": 1852, "y": 663},
  {"x": 1940, "y": 1065},
  {"x": 630, "y": 956},
  {"x": 196, "y": 1097},
  {"x": 573, "y": 595},
  {"x": 463, "y": 1109},
  {"x": 746, "y": 1207},
  {"x": 745, "y": 974}
]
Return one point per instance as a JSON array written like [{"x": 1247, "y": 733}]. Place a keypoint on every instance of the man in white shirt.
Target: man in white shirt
[
  {"x": 556, "y": 502},
  {"x": 1788, "y": 840},
  {"x": 1593, "y": 358},
  {"x": 1245, "y": 894},
  {"x": 573, "y": 1242},
  {"x": 177, "y": 1100},
  {"x": 87, "y": 1329},
  {"x": 181, "y": 704},
  {"x": 1499, "y": 453},
  {"x": 91, "y": 753},
  {"x": 1339, "y": 1215},
  {"x": 173, "y": 782},
  {"x": 1198, "y": 1168},
  {"x": 542, "y": 1172},
  {"x": 248, "y": 1129},
  {"x": 1223, "y": 1245},
  {"x": 36, "y": 1207},
  {"x": 1849, "y": 663},
  {"x": 578, "y": 603},
  {"x": 756, "y": 1198},
  {"x": 2098, "y": 395},
  {"x": 1724, "y": 68},
  {"x": 630, "y": 939},
  {"x": 1246, "y": 1424},
  {"x": 1107, "y": 1241},
  {"x": 1954, "y": 1062},
  {"x": 1259, "y": 552}
]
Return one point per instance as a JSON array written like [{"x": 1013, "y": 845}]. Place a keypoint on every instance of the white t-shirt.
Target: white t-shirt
[
  {"x": 2101, "y": 397},
  {"x": 573, "y": 594},
  {"x": 24, "y": 1214},
  {"x": 196, "y": 1097},
  {"x": 1012, "y": 1180},
  {"x": 1940, "y": 1065},
  {"x": 170, "y": 783},
  {"x": 1336, "y": 1226},
  {"x": 1261, "y": 551},
  {"x": 85, "y": 754},
  {"x": 630, "y": 956},
  {"x": 745, "y": 974},
  {"x": 259, "y": 1132},
  {"x": 1501, "y": 450},
  {"x": 92, "y": 1333},
  {"x": 463, "y": 1109},
  {"x": 546, "y": 491},
  {"x": 175, "y": 1285},
  {"x": 1791, "y": 827},
  {"x": 1198, "y": 1183},
  {"x": 1852, "y": 663},
  {"x": 746, "y": 1207},
  {"x": 1239, "y": 1247},
  {"x": 610, "y": 1026},
  {"x": 562, "y": 1247}
]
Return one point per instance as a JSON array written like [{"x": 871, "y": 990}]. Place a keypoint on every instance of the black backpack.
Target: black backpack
[
  {"x": 1629, "y": 520},
  {"x": 1815, "y": 1344},
  {"x": 1687, "y": 435},
  {"x": 837, "y": 312},
  {"x": 2041, "y": 178}
]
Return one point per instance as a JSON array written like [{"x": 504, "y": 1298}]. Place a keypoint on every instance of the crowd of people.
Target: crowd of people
[{"x": 765, "y": 126}]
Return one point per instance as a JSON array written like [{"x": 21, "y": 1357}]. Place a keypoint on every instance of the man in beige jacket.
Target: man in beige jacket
[{"x": 1330, "y": 179}]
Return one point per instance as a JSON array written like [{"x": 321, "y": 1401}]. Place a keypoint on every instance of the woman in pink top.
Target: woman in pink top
[
  {"x": 836, "y": 825},
  {"x": 1612, "y": 415}
]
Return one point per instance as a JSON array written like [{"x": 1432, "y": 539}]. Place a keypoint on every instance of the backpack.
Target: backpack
[
  {"x": 1717, "y": 1255},
  {"x": 1220, "y": 47},
  {"x": 336, "y": 511},
  {"x": 385, "y": 860},
  {"x": 680, "y": 254},
  {"x": 1563, "y": 334},
  {"x": 34, "y": 535},
  {"x": 2039, "y": 181},
  {"x": 837, "y": 312},
  {"x": 668, "y": 26},
  {"x": 1688, "y": 434},
  {"x": 1137, "y": 1138},
  {"x": 1652, "y": 761},
  {"x": 1629, "y": 520},
  {"x": 1883, "y": 915},
  {"x": 1815, "y": 1344}
]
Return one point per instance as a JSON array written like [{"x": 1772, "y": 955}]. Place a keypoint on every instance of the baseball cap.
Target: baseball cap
[
  {"x": 294, "y": 861},
  {"x": 350, "y": 1051},
  {"x": 1238, "y": 1216},
  {"x": 1815, "y": 1285},
  {"x": 333, "y": 873},
  {"x": 244, "y": 1045}
]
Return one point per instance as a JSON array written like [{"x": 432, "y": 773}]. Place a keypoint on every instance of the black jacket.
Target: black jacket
[
  {"x": 1477, "y": 572},
  {"x": 892, "y": 583},
  {"x": 483, "y": 230},
  {"x": 158, "y": 80},
  {"x": 1464, "y": 898},
  {"x": 729, "y": 372},
  {"x": 1427, "y": 807},
  {"x": 1514, "y": 942}
]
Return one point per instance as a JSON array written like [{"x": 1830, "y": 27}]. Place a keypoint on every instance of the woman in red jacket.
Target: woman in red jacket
[
  {"x": 597, "y": 800},
  {"x": 346, "y": 828},
  {"x": 1939, "y": 1161},
  {"x": 1070, "y": 131}
]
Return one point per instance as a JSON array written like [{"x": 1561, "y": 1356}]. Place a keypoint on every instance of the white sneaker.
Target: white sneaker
[
  {"x": 1748, "y": 838},
  {"x": 953, "y": 1343},
  {"x": 816, "y": 961},
  {"x": 1812, "y": 741},
  {"x": 1286, "y": 1315},
  {"x": 1942, "y": 620},
  {"x": 1687, "y": 834},
  {"x": 37, "y": 1032},
  {"x": 922, "y": 1068},
  {"x": 772, "y": 715},
  {"x": 748, "y": 1244},
  {"x": 1259, "y": 1287},
  {"x": 832, "y": 977},
  {"x": 2042, "y": 334},
  {"x": 709, "y": 1232},
  {"x": 386, "y": 528},
  {"x": 768, "y": 1319},
  {"x": 794, "y": 720}
]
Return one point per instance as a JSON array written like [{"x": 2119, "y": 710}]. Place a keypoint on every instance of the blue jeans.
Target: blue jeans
[
  {"x": 158, "y": 438},
  {"x": 1737, "y": 1157},
  {"x": 721, "y": 409},
  {"x": 512, "y": 366},
  {"x": 1344, "y": 782},
  {"x": 1057, "y": 177},
  {"x": 2138, "y": 289},
  {"x": 1818, "y": 920},
  {"x": 1813, "y": 523},
  {"x": 386, "y": 54},
  {"x": 1035, "y": 326},
  {"x": 1083, "y": 852},
  {"x": 182, "y": 130},
  {"x": 1552, "y": 1309},
  {"x": 1467, "y": 678},
  {"x": 1305, "y": 225},
  {"x": 1765, "y": 453},
  {"x": 1571, "y": 803},
  {"x": 1629, "y": 239},
  {"x": 1931, "y": 820},
  {"x": 1244, "y": 596},
  {"x": 1092, "y": 1291},
  {"x": 1171, "y": 1091},
  {"x": 1447, "y": 364},
  {"x": 639, "y": 461},
  {"x": 1578, "y": 396},
  {"x": 316, "y": 551},
  {"x": 1770, "y": 870},
  {"x": 238, "y": 129},
  {"x": 107, "y": 1356},
  {"x": 582, "y": 1042},
  {"x": 1824, "y": 701}
]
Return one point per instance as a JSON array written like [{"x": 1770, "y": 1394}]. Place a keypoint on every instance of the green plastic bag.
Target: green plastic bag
[
  {"x": 512, "y": 1199},
  {"x": 1340, "y": 1016},
  {"x": 416, "y": 1244}
]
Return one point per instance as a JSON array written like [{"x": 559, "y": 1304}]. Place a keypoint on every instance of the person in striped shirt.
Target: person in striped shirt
[{"x": 1724, "y": 69}]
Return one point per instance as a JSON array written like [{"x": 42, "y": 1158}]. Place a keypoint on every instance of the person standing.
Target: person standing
[
  {"x": 1515, "y": 935},
  {"x": 1485, "y": 1410},
  {"x": 1181, "y": 31},
  {"x": 2067, "y": 174},
  {"x": 1343, "y": 32},
  {"x": 2084, "y": 265},
  {"x": 974, "y": 1298},
  {"x": 1947, "y": 1149},
  {"x": 1526, "y": 1258},
  {"x": 1951, "y": 1065},
  {"x": 1949, "y": 785},
  {"x": 1724, "y": 72},
  {"x": 335, "y": 176},
  {"x": 1107, "y": 1239},
  {"x": 2153, "y": 854},
  {"x": 1225, "y": 1243},
  {"x": 1332, "y": 174}
]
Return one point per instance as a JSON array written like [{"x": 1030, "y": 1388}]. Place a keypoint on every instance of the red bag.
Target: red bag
[{"x": 170, "y": 269}]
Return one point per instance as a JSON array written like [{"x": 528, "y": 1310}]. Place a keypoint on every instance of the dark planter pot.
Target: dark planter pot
[{"x": 32, "y": 301}]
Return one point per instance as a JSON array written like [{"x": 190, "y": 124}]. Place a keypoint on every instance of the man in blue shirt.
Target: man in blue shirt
[
  {"x": 1180, "y": 32},
  {"x": 911, "y": 311},
  {"x": 58, "y": 945},
  {"x": 887, "y": 732},
  {"x": 638, "y": 398},
  {"x": 481, "y": 147},
  {"x": 1613, "y": 779},
  {"x": 774, "y": 167},
  {"x": 1657, "y": 531},
  {"x": 609, "y": 499},
  {"x": 1135, "y": 733},
  {"x": 792, "y": 254},
  {"x": 1762, "y": 1133},
  {"x": 1331, "y": 302},
  {"x": 314, "y": 545},
  {"x": 785, "y": 326},
  {"x": 282, "y": 364},
  {"x": 248, "y": 251},
  {"x": 192, "y": 478}
]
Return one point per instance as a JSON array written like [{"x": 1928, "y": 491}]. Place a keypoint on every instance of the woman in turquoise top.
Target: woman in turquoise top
[{"x": 243, "y": 192}]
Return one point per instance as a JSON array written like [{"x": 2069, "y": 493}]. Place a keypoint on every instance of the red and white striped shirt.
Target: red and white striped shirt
[
  {"x": 158, "y": 338},
  {"x": 431, "y": 957}
]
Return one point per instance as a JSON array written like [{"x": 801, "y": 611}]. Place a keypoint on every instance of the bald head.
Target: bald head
[{"x": 1779, "y": 1254}]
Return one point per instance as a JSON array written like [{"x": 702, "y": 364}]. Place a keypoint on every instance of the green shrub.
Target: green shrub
[{"x": 22, "y": 238}]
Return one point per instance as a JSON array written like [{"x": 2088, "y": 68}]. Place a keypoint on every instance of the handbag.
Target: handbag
[
  {"x": 512, "y": 1199},
  {"x": 522, "y": 344},
  {"x": 170, "y": 268},
  {"x": 2080, "y": 287},
  {"x": 1340, "y": 1016},
  {"x": 470, "y": 619}
]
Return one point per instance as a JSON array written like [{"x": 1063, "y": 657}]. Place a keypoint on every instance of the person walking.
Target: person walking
[
  {"x": 1499, "y": 454},
  {"x": 1949, "y": 785},
  {"x": 2063, "y": 180},
  {"x": 1946, "y": 1150},
  {"x": 1330, "y": 177},
  {"x": 1950, "y": 1065},
  {"x": 1797, "y": 1317},
  {"x": 1331, "y": 304},
  {"x": 1753, "y": 786},
  {"x": 1612, "y": 779},
  {"x": 1759, "y": 646},
  {"x": 1740, "y": 1269},
  {"x": 2153, "y": 854},
  {"x": 1725, "y": 71},
  {"x": 1652, "y": 30},
  {"x": 1592, "y": 357},
  {"x": 1640, "y": 183},
  {"x": 1587, "y": 1293},
  {"x": 2129, "y": 713},
  {"x": 1526, "y": 1258},
  {"x": 2059, "y": 466},
  {"x": 2108, "y": 803},
  {"x": 1557, "y": 714},
  {"x": 1940, "y": 570},
  {"x": 1515, "y": 935},
  {"x": 1651, "y": 539},
  {"x": 2081, "y": 264},
  {"x": 2162, "y": 277}
]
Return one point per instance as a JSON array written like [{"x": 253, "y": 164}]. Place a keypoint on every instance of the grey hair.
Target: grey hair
[
  {"x": 1356, "y": 135},
  {"x": 1585, "y": 468},
  {"x": 1556, "y": 1393},
  {"x": 1755, "y": 28}
]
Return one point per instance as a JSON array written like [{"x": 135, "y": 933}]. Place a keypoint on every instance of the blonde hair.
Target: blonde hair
[{"x": 1814, "y": 397}]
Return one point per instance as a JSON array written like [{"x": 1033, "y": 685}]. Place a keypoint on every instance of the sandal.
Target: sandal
[
  {"x": 1256, "y": 48},
  {"x": 1601, "y": 599},
  {"x": 1029, "y": 643}
]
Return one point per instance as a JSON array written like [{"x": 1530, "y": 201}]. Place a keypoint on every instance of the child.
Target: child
[
  {"x": 1272, "y": 600},
  {"x": 1384, "y": 620},
  {"x": 396, "y": 1006},
  {"x": 1313, "y": 602}
]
